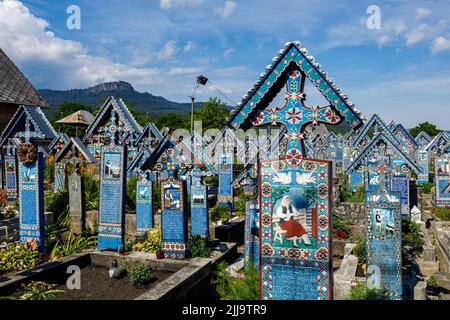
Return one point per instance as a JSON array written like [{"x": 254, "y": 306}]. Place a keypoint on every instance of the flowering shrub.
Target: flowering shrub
[
  {"x": 17, "y": 257},
  {"x": 149, "y": 242},
  {"x": 341, "y": 229}
]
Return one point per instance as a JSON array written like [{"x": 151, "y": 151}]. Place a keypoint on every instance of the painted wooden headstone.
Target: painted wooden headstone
[
  {"x": 295, "y": 192},
  {"x": 442, "y": 181},
  {"x": 225, "y": 196},
  {"x": 111, "y": 228},
  {"x": 31, "y": 189},
  {"x": 423, "y": 139},
  {"x": 144, "y": 201},
  {"x": 199, "y": 204},
  {"x": 11, "y": 175},
  {"x": 400, "y": 184},
  {"x": 384, "y": 243},
  {"x": 59, "y": 176},
  {"x": 174, "y": 217},
  {"x": 251, "y": 241}
]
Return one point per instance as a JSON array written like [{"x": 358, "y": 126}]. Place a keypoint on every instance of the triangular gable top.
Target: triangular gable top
[
  {"x": 268, "y": 85},
  {"x": 392, "y": 125},
  {"x": 348, "y": 137},
  {"x": 148, "y": 131},
  {"x": 37, "y": 120},
  {"x": 80, "y": 147},
  {"x": 332, "y": 138},
  {"x": 60, "y": 138},
  {"x": 442, "y": 136},
  {"x": 401, "y": 129},
  {"x": 382, "y": 128},
  {"x": 229, "y": 135},
  {"x": 422, "y": 137},
  {"x": 104, "y": 115},
  {"x": 150, "y": 159},
  {"x": 394, "y": 146}
]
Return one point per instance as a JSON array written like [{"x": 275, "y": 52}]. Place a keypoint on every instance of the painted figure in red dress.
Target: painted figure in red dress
[{"x": 293, "y": 221}]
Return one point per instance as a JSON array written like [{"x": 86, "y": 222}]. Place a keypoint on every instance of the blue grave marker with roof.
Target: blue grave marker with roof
[
  {"x": 295, "y": 264},
  {"x": 111, "y": 228},
  {"x": 31, "y": 188},
  {"x": 423, "y": 139}
]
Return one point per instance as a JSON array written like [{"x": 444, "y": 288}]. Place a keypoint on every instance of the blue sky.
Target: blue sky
[{"x": 401, "y": 71}]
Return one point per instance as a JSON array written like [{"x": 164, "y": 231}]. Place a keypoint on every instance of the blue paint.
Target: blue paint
[
  {"x": 144, "y": 206},
  {"x": 31, "y": 202},
  {"x": 251, "y": 240},
  {"x": 111, "y": 229}
]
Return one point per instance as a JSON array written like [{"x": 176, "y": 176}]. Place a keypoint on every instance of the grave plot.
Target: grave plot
[{"x": 295, "y": 198}]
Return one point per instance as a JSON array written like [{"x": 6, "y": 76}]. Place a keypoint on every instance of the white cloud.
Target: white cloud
[
  {"x": 169, "y": 4},
  {"x": 423, "y": 13},
  {"x": 167, "y": 51},
  {"x": 383, "y": 40},
  {"x": 440, "y": 44},
  {"x": 189, "y": 46},
  {"x": 229, "y": 52},
  {"x": 58, "y": 62},
  {"x": 228, "y": 9},
  {"x": 180, "y": 70}
]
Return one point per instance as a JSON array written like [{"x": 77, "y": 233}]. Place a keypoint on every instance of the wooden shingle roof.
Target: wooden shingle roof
[{"x": 15, "y": 87}]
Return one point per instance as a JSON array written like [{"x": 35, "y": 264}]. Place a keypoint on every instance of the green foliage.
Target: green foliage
[
  {"x": 426, "y": 188},
  {"x": 221, "y": 213},
  {"x": 57, "y": 202},
  {"x": 239, "y": 205},
  {"x": 49, "y": 171},
  {"x": 198, "y": 247},
  {"x": 361, "y": 292},
  {"x": 70, "y": 246},
  {"x": 427, "y": 127},
  {"x": 9, "y": 211},
  {"x": 442, "y": 213},
  {"x": 65, "y": 109},
  {"x": 212, "y": 114},
  {"x": 172, "y": 120},
  {"x": 141, "y": 118},
  {"x": 432, "y": 282},
  {"x": 131, "y": 193},
  {"x": 17, "y": 257},
  {"x": 341, "y": 228},
  {"x": 212, "y": 181},
  {"x": 412, "y": 241},
  {"x": 348, "y": 195},
  {"x": 149, "y": 242},
  {"x": 39, "y": 290},
  {"x": 140, "y": 275},
  {"x": 243, "y": 287},
  {"x": 91, "y": 192},
  {"x": 360, "y": 251}
]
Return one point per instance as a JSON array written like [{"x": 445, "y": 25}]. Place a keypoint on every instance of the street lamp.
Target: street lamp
[{"x": 201, "y": 80}]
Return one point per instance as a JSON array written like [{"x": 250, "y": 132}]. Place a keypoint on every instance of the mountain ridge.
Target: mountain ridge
[{"x": 94, "y": 96}]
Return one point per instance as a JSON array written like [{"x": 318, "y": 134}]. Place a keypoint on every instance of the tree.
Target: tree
[
  {"x": 212, "y": 114},
  {"x": 172, "y": 120},
  {"x": 140, "y": 117},
  {"x": 65, "y": 109},
  {"x": 427, "y": 127}
]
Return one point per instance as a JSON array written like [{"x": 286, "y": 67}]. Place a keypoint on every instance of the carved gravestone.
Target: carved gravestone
[
  {"x": 77, "y": 203},
  {"x": 60, "y": 177},
  {"x": 111, "y": 229},
  {"x": 384, "y": 243},
  {"x": 251, "y": 240}
]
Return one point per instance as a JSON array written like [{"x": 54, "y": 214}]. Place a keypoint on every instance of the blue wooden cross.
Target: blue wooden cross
[
  {"x": 113, "y": 130},
  {"x": 295, "y": 116},
  {"x": 27, "y": 134}
]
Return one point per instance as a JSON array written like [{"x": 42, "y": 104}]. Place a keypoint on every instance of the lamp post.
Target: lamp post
[{"x": 201, "y": 80}]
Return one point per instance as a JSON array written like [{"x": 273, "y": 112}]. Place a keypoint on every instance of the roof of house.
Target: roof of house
[{"x": 15, "y": 88}]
